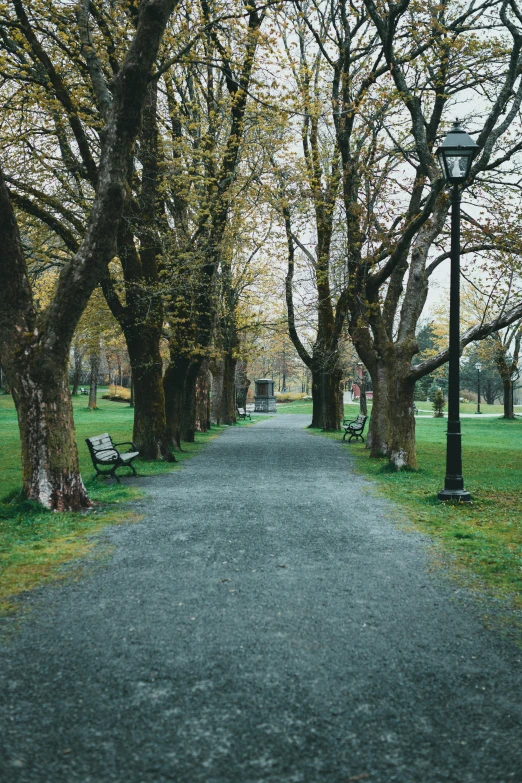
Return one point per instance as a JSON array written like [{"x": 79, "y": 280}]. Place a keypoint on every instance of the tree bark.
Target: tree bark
[
  {"x": 326, "y": 394},
  {"x": 188, "y": 408},
  {"x": 93, "y": 386},
  {"x": 174, "y": 385},
  {"x": 77, "y": 354},
  {"x": 202, "y": 398},
  {"x": 509, "y": 410},
  {"x": 378, "y": 438},
  {"x": 401, "y": 423},
  {"x": 217, "y": 370},
  {"x": 228, "y": 397},
  {"x": 50, "y": 470},
  {"x": 150, "y": 424}
]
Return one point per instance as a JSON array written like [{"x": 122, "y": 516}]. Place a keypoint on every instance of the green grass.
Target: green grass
[
  {"x": 352, "y": 408},
  {"x": 305, "y": 406},
  {"x": 485, "y": 536},
  {"x": 36, "y": 544},
  {"x": 469, "y": 407}
]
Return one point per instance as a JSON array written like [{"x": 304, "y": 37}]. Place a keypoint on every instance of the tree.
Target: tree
[
  {"x": 94, "y": 57},
  {"x": 200, "y": 209},
  {"x": 397, "y": 70},
  {"x": 138, "y": 303},
  {"x": 308, "y": 192},
  {"x": 491, "y": 386},
  {"x": 507, "y": 363},
  {"x": 35, "y": 348}
]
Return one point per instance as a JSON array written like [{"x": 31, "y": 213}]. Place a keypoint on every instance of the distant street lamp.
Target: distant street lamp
[
  {"x": 478, "y": 368},
  {"x": 455, "y": 157}
]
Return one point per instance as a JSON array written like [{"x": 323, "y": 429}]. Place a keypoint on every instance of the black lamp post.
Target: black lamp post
[
  {"x": 478, "y": 368},
  {"x": 455, "y": 157}
]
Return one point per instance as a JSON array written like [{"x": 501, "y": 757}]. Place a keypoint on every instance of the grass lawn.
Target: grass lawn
[
  {"x": 485, "y": 536},
  {"x": 352, "y": 408},
  {"x": 305, "y": 406},
  {"x": 35, "y": 543}
]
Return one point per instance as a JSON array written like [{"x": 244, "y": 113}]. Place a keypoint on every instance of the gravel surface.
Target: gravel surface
[{"x": 266, "y": 621}]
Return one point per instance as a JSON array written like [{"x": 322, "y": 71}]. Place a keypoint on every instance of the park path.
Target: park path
[{"x": 266, "y": 621}]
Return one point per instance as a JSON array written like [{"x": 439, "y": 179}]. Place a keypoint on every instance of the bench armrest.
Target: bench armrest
[{"x": 127, "y": 443}]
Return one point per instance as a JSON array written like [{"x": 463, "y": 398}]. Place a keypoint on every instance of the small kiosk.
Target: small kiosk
[{"x": 265, "y": 401}]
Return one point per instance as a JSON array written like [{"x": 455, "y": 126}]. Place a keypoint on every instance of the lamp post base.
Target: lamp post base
[{"x": 455, "y": 495}]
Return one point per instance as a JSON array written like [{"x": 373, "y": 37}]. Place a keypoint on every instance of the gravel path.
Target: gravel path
[{"x": 265, "y": 622}]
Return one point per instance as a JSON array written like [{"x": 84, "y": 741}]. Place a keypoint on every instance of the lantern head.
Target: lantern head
[{"x": 456, "y": 154}]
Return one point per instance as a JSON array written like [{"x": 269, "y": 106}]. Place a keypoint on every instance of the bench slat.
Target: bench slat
[{"x": 101, "y": 441}]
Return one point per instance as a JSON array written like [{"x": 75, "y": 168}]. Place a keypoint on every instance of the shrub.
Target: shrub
[
  {"x": 117, "y": 394},
  {"x": 438, "y": 403},
  {"x": 288, "y": 396}
]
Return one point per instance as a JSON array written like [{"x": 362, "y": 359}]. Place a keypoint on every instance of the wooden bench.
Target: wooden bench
[
  {"x": 104, "y": 452},
  {"x": 354, "y": 428},
  {"x": 83, "y": 391},
  {"x": 242, "y": 413}
]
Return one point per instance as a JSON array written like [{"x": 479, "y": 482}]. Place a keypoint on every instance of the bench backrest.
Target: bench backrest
[{"x": 102, "y": 447}]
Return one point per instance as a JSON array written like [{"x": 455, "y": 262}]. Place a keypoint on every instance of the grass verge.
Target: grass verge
[
  {"x": 37, "y": 545},
  {"x": 484, "y": 537}
]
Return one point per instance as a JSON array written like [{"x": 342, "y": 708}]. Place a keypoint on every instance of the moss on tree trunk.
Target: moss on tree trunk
[{"x": 50, "y": 469}]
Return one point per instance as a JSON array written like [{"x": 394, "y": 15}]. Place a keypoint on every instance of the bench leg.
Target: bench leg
[
  {"x": 125, "y": 465},
  {"x": 106, "y": 474}
]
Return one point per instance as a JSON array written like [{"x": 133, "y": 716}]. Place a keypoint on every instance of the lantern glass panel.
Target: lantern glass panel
[{"x": 457, "y": 166}]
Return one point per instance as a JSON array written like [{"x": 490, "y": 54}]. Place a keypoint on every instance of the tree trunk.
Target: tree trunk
[
  {"x": 217, "y": 368},
  {"x": 150, "y": 425},
  {"x": 392, "y": 424},
  {"x": 401, "y": 423},
  {"x": 78, "y": 356},
  {"x": 50, "y": 470},
  {"x": 326, "y": 398},
  {"x": 363, "y": 402},
  {"x": 488, "y": 392},
  {"x": 509, "y": 411},
  {"x": 173, "y": 385},
  {"x": 188, "y": 407},
  {"x": 228, "y": 398},
  {"x": 378, "y": 440},
  {"x": 93, "y": 389},
  {"x": 202, "y": 397}
]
